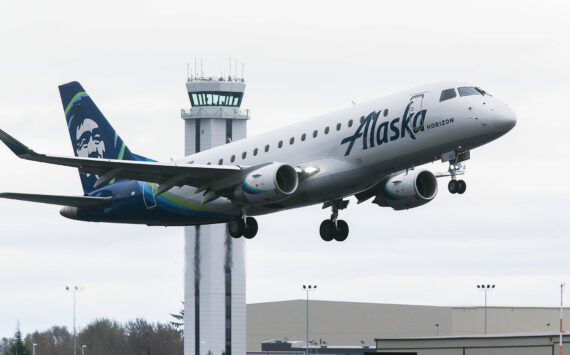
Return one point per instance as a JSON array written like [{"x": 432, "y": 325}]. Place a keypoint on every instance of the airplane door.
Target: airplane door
[
  {"x": 416, "y": 104},
  {"x": 415, "y": 109}
]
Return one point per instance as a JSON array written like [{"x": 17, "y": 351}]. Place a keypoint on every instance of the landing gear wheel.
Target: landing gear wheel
[
  {"x": 341, "y": 231},
  {"x": 334, "y": 228},
  {"x": 236, "y": 227},
  {"x": 250, "y": 228},
  {"x": 453, "y": 186},
  {"x": 462, "y": 186},
  {"x": 327, "y": 230}
]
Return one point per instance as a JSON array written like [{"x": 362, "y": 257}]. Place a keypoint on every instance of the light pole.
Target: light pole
[
  {"x": 83, "y": 349},
  {"x": 486, "y": 288},
  {"x": 562, "y": 285},
  {"x": 74, "y": 289},
  {"x": 436, "y": 329},
  {"x": 34, "y": 348},
  {"x": 308, "y": 288}
]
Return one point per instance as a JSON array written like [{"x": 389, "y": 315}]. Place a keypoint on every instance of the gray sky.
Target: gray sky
[{"x": 301, "y": 59}]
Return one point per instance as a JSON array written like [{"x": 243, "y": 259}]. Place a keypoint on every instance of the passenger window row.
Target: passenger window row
[{"x": 291, "y": 141}]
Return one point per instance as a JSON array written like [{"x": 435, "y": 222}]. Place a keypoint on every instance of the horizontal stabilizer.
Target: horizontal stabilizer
[
  {"x": 72, "y": 201},
  {"x": 15, "y": 146}
]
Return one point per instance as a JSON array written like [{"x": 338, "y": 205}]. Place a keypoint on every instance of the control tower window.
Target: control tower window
[
  {"x": 447, "y": 94},
  {"x": 467, "y": 91},
  {"x": 280, "y": 145},
  {"x": 255, "y": 152},
  {"x": 216, "y": 98},
  {"x": 303, "y": 137},
  {"x": 233, "y": 158}
]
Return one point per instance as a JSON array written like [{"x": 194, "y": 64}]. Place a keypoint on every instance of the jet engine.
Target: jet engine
[
  {"x": 270, "y": 184},
  {"x": 408, "y": 190}
]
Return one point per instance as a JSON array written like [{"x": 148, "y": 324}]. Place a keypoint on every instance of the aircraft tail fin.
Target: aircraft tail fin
[{"x": 91, "y": 134}]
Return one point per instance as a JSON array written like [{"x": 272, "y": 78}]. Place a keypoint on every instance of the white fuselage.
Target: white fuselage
[{"x": 389, "y": 142}]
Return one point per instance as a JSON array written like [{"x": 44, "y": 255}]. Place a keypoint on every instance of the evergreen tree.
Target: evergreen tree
[
  {"x": 18, "y": 347},
  {"x": 179, "y": 322}
]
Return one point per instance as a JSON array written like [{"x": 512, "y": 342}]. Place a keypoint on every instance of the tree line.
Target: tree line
[{"x": 101, "y": 337}]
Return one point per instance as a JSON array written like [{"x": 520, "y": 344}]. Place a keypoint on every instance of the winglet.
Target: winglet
[{"x": 16, "y": 146}]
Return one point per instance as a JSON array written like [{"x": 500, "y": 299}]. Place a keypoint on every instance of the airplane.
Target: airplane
[{"x": 372, "y": 150}]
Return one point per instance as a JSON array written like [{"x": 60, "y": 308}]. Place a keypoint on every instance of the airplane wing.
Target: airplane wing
[
  {"x": 72, "y": 201},
  {"x": 214, "y": 178}
]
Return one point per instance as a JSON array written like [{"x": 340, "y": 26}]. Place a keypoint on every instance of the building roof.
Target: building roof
[{"x": 478, "y": 336}]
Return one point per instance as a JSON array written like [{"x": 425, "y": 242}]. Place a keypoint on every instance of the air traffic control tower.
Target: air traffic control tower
[{"x": 214, "y": 274}]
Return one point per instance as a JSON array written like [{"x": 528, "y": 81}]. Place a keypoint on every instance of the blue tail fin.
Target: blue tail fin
[{"x": 91, "y": 134}]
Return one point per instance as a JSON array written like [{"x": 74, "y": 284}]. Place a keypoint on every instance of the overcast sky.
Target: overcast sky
[{"x": 302, "y": 58}]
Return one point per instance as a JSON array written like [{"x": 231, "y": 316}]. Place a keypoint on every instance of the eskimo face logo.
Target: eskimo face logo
[
  {"x": 374, "y": 133},
  {"x": 88, "y": 140}
]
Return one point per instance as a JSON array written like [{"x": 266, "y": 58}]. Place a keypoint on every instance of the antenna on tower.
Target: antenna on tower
[
  {"x": 195, "y": 67},
  {"x": 187, "y": 71},
  {"x": 236, "y": 69},
  {"x": 230, "y": 75},
  {"x": 242, "y": 65}
]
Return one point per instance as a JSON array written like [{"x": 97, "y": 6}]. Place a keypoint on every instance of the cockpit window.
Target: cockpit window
[
  {"x": 447, "y": 94},
  {"x": 467, "y": 91},
  {"x": 483, "y": 92}
]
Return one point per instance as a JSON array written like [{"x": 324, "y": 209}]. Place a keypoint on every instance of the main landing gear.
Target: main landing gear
[
  {"x": 455, "y": 186},
  {"x": 334, "y": 228},
  {"x": 242, "y": 227}
]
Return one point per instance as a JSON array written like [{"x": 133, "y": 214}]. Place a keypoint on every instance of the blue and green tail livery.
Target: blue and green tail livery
[{"x": 91, "y": 134}]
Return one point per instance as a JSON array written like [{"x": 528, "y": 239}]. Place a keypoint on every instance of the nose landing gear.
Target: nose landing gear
[
  {"x": 457, "y": 186},
  {"x": 334, "y": 228}
]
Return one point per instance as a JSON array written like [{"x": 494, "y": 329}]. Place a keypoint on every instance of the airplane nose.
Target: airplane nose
[{"x": 505, "y": 119}]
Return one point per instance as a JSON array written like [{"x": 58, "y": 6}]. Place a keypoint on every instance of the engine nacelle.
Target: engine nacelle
[
  {"x": 270, "y": 184},
  {"x": 410, "y": 190}
]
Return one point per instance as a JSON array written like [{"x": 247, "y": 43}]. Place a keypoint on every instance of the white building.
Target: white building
[{"x": 214, "y": 277}]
